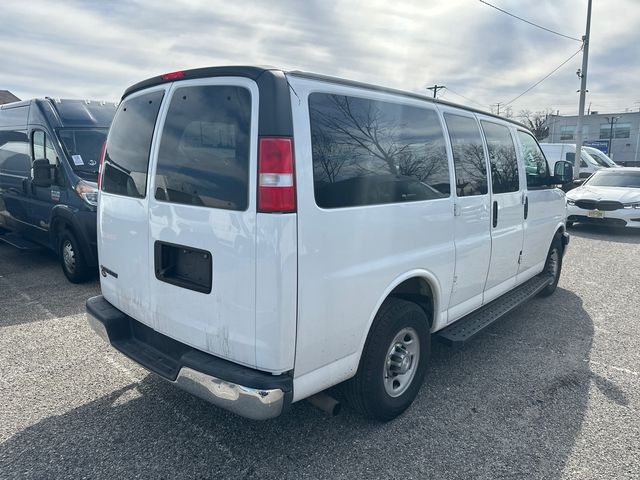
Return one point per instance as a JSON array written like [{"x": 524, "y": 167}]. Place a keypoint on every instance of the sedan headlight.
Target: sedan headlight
[
  {"x": 632, "y": 205},
  {"x": 570, "y": 202},
  {"x": 88, "y": 192}
]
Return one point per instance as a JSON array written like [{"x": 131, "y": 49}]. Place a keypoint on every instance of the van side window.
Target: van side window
[
  {"x": 368, "y": 152},
  {"x": 42, "y": 148},
  {"x": 534, "y": 162},
  {"x": 468, "y": 155},
  {"x": 126, "y": 158},
  {"x": 14, "y": 153},
  {"x": 502, "y": 156},
  {"x": 204, "y": 151}
]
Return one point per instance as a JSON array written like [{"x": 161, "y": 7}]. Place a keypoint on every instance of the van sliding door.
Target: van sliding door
[
  {"x": 507, "y": 206},
  {"x": 472, "y": 212}
]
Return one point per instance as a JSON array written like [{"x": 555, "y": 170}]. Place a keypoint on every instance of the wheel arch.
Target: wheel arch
[
  {"x": 561, "y": 232},
  {"x": 64, "y": 217},
  {"x": 61, "y": 219},
  {"x": 419, "y": 286}
]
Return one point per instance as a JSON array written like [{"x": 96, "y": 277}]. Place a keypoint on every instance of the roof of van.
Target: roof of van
[
  {"x": 254, "y": 72},
  {"x": 69, "y": 112},
  {"x": 81, "y": 113}
]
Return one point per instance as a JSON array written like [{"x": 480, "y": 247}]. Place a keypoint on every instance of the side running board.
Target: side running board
[
  {"x": 19, "y": 242},
  {"x": 463, "y": 330}
]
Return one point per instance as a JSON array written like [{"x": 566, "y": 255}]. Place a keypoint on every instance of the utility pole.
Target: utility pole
[
  {"x": 635, "y": 158},
  {"x": 612, "y": 122},
  {"x": 497, "y": 105},
  {"x": 583, "y": 90},
  {"x": 435, "y": 89}
]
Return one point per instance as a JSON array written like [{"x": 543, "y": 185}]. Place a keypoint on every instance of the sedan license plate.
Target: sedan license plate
[{"x": 596, "y": 214}]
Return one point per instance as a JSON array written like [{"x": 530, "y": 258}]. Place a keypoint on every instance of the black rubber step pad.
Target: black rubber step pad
[{"x": 467, "y": 327}]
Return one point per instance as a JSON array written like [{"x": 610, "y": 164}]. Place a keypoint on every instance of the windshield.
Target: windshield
[
  {"x": 83, "y": 146},
  {"x": 615, "y": 178},
  {"x": 589, "y": 159},
  {"x": 601, "y": 158}
]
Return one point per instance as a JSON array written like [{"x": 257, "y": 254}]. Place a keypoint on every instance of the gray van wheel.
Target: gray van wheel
[
  {"x": 553, "y": 266},
  {"x": 71, "y": 258},
  {"x": 393, "y": 363}
]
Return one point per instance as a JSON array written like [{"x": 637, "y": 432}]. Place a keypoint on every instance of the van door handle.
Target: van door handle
[
  {"x": 495, "y": 214},
  {"x": 526, "y": 207}
]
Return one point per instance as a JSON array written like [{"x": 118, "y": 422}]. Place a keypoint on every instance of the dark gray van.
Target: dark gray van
[{"x": 49, "y": 161}]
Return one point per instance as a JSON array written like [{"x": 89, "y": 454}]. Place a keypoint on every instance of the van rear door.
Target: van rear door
[
  {"x": 123, "y": 206},
  {"x": 202, "y": 217}
]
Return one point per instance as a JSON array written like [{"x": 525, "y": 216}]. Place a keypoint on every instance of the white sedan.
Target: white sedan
[{"x": 609, "y": 197}]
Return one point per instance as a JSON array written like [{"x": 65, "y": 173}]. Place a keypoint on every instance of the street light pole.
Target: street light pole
[{"x": 583, "y": 89}]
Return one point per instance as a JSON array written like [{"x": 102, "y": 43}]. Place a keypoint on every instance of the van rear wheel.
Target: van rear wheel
[
  {"x": 393, "y": 362},
  {"x": 72, "y": 260}
]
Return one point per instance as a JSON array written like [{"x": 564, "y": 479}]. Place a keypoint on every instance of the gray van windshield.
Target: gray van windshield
[{"x": 84, "y": 146}]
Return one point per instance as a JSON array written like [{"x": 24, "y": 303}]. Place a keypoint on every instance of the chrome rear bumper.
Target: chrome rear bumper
[
  {"x": 253, "y": 403},
  {"x": 247, "y": 392}
]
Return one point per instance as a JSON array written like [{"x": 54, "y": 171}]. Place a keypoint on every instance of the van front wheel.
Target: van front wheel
[
  {"x": 73, "y": 263},
  {"x": 393, "y": 362},
  {"x": 552, "y": 267}
]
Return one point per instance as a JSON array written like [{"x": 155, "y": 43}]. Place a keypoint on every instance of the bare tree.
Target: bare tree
[
  {"x": 537, "y": 123},
  {"x": 328, "y": 155},
  {"x": 353, "y": 131}
]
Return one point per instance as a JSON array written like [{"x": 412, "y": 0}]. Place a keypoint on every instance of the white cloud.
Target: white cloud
[{"x": 95, "y": 49}]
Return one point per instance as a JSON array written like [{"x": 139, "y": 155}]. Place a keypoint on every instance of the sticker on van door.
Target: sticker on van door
[{"x": 55, "y": 195}]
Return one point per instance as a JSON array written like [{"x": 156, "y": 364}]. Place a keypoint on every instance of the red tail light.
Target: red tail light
[
  {"x": 173, "y": 75},
  {"x": 102, "y": 152},
  {"x": 276, "y": 185}
]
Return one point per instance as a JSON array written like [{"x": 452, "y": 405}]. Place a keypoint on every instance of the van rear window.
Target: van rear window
[
  {"x": 368, "y": 152},
  {"x": 126, "y": 159},
  {"x": 204, "y": 151}
]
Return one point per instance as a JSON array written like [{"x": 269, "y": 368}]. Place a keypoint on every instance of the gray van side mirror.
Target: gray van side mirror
[
  {"x": 563, "y": 172},
  {"x": 42, "y": 173}
]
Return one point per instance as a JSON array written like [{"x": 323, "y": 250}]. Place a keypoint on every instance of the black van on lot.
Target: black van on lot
[{"x": 49, "y": 160}]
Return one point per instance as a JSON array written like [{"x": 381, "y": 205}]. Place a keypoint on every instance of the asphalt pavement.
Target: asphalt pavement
[{"x": 550, "y": 391}]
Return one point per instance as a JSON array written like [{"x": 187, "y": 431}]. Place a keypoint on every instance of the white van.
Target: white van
[
  {"x": 567, "y": 152},
  {"x": 265, "y": 235}
]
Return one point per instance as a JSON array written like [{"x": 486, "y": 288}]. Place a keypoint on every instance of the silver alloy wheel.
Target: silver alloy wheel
[
  {"x": 68, "y": 256},
  {"x": 401, "y": 362}
]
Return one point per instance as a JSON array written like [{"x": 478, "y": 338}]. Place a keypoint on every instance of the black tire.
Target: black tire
[
  {"x": 75, "y": 268},
  {"x": 553, "y": 266},
  {"x": 366, "y": 392}
]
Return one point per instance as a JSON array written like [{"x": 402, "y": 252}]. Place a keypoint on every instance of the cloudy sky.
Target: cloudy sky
[{"x": 95, "y": 49}]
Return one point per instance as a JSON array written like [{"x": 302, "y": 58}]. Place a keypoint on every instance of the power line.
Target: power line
[
  {"x": 531, "y": 23},
  {"x": 466, "y": 98},
  {"x": 545, "y": 77}
]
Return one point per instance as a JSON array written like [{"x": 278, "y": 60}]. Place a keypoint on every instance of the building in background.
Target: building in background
[
  {"x": 620, "y": 141},
  {"x": 7, "y": 97}
]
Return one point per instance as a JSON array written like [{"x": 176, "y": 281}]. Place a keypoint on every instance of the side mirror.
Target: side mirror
[
  {"x": 41, "y": 173},
  {"x": 563, "y": 172}
]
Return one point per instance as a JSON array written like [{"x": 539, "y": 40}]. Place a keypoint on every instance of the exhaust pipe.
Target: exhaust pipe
[{"x": 326, "y": 403}]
